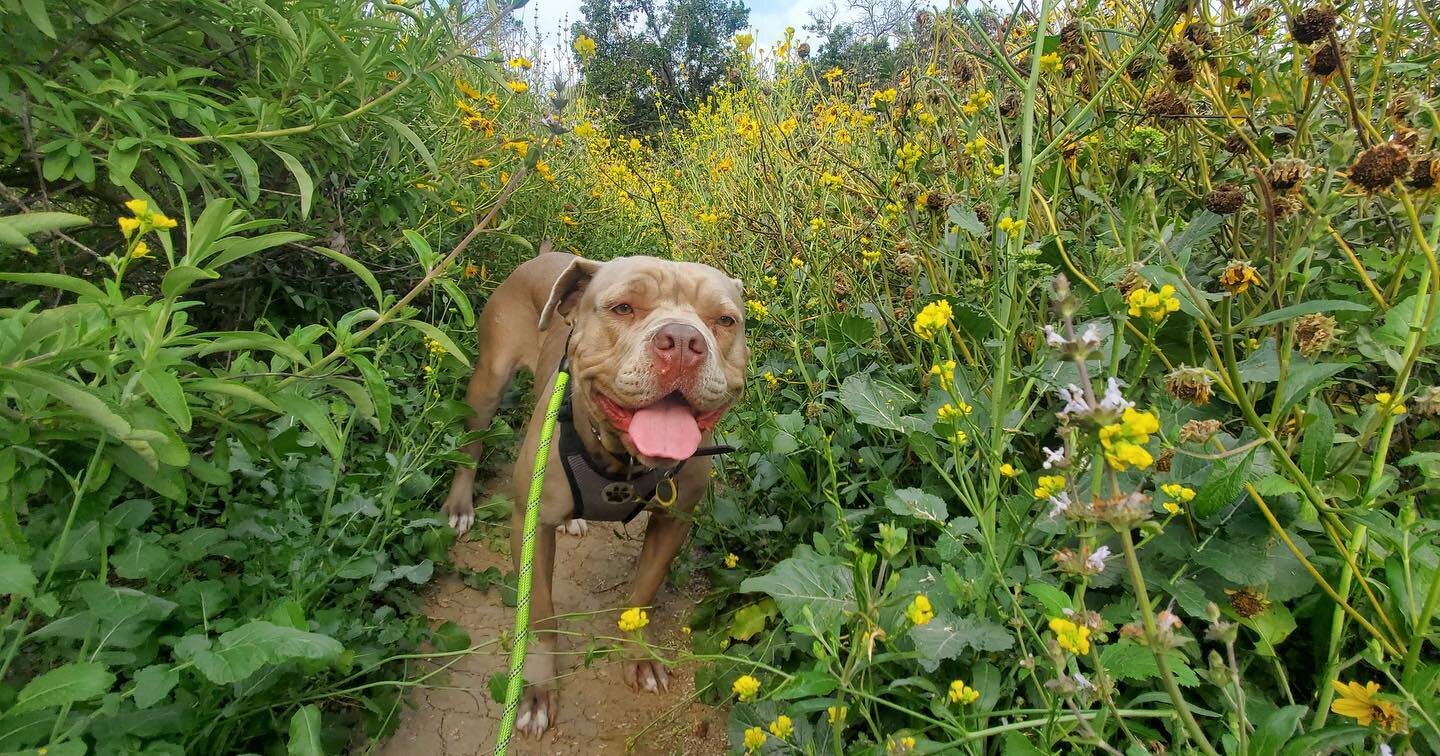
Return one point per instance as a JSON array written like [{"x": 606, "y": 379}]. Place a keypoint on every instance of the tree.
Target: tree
[{"x": 654, "y": 57}]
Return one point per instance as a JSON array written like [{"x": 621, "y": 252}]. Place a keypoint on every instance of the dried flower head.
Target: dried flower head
[
  {"x": 1188, "y": 385},
  {"x": 1238, "y": 276},
  {"x": 1165, "y": 461},
  {"x": 1010, "y": 106},
  {"x": 1247, "y": 602},
  {"x": 1178, "y": 56},
  {"x": 1313, "y": 24},
  {"x": 803, "y": 50},
  {"x": 1070, "y": 37},
  {"x": 1314, "y": 333},
  {"x": 1427, "y": 401},
  {"x": 1200, "y": 35},
  {"x": 936, "y": 201},
  {"x": 1139, "y": 66},
  {"x": 1255, "y": 21},
  {"x": 1424, "y": 172},
  {"x": 1129, "y": 281},
  {"x": 1325, "y": 61},
  {"x": 1166, "y": 105},
  {"x": 1198, "y": 431},
  {"x": 905, "y": 263},
  {"x": 1225, "y": 199},
  {"x": 1379, "y": 166},
  {"x": 1287, "y": 173}
]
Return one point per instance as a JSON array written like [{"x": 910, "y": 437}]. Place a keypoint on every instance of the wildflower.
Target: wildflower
[
  {"x": 835, "y": 714},
  {"x": 633, "y": 619},
  {"x": 1071, "y": 637},
  {"x": 1189, "y": 385},
  {"x": 975, "y": 148},
  {"x": 471, "y": 271},
  {"x": 757, "y": 309},
  {"x": 519, "y": 147},
  {"x": 831, "y": 180},
  {"x": 952, "y": 412},
  {"x": 731, "y": 560},
  {"x": 934, "y": 318},
  {"x": 743, "y": 41},
  {"x": 568, "y": 221},
  {"x": 422, "y": 186},
  {"x": 834, "y": 75},
  {"x": 1112, "y": 402},
  {"x": 754, "y": 738},
  {"x": 904, "y": 744},
  {"x": 138, "y": 206},
  {"x": 584, "y": 47},
  {"x": 1287, "y": 173},
  {"x": 161, "y": 220},
  {"x": 797, "y": 262},
  {"x": 745, "y": 687},
  {"x": 140, "y": 251},
  {"x": 1096, "y": 561},
  {"x": 1199, "y": 431},
  {"x": 1361, "y": 704},
  {"x": 520, "y": 62},
  {"x": 1008, "y": 470},
  {"x": 782, "y": 727},
  {"x": 788, "y": 126},
  {"x": 467, "y": 90},
  {"x": 1049, "y": 485},
  {"x": 920, "y": 611},
  {"x": 1178, "y": 492},
  {"x": 1054, "y": 457},
  {"x": 1314, "y": 333},
  {"x": 1386, "y": 401},
  {"x": 1059, "y": 504},
  {"x": 1075, "y": 402},
  {"x": 1152, "y": 304},
  {"x": 817, "y": 225},
  {"x": 1238, "y": 276},
  {"x": 517, "y": 86},
  {"x": 747, "y": 127},
  {"x": 978, "y": 101},
  {"x": 908, "y": 156},
  {"x": 959, "y": 437},
  {"x": 1172, "y": 508},
  {"x": 883, "y": 97},
  {"x": 1050, "y": 62},
  {"x": 945, "y": 374},
  {"x": 961, "y": 693},
  {"x": 480, "y": 162},
  {"x": 1010, "y": 225},
  {"x": 128, "y": 225},
  {"x": 1124, "y": 442}
]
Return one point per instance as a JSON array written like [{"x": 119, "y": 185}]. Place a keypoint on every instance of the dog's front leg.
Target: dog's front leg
[
  {"x": 663, "y": 538},
  {"x": 539, "y": 704}
]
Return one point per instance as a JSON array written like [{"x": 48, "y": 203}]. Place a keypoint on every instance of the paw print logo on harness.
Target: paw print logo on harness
[{"x": 618, "y": 494}]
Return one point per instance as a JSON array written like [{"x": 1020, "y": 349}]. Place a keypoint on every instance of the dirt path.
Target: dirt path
[{"x": 599, "y": 714}]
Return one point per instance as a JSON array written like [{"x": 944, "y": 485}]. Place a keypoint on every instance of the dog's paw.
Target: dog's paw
[
  {"x": 460, "y": 511},
  {"x": 539, "y": 708},
  {"x": 647, "y": 676},
  {"x": 576, "y": 527}
]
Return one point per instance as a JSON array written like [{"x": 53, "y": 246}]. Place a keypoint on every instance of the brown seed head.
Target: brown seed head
[
  {"x": 1255, "y": 21},
  {"x": 1424, "y": 172},
  {"x": 1325, "y": 61},
  {"x": 1198, "y": 431},
  {"x": 1166, "y": 105},
  {"x": 1188, "y": 384},
  {"x": 1313, "y": 24},
  {"x": 1139, "y": 67},
  {"x": 1247, "y": 602},
  {"x": 803, "y": 50},
  {"x": 1287, "y": 173},
  {"x": 1379, "y": 166},
  {"x": 1314, "y": 333},
  {"x": 1225, "y": 199},
  {"x": 1166, "y": 459},
  {"x": 1427, "y": 401},
  {"x": 1234, "y": 143}
]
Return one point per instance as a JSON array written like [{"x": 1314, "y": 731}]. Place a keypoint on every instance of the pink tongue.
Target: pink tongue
[{"x": 666, "y": 429}]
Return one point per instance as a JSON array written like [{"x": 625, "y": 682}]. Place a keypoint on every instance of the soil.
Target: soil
[{"x": 599, "y": 714}]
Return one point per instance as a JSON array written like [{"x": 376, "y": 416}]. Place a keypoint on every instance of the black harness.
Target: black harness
[{"x": 601, "y": 496}]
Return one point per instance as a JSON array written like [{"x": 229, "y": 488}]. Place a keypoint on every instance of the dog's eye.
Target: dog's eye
[
  {"x": 622, "y": 309},
  {"x": 725, "y": 320}
]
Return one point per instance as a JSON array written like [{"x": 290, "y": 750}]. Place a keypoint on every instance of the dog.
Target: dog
[{"x": 656, "y": 352}]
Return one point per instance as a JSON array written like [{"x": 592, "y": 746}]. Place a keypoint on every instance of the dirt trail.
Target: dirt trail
[{"x": 599, "y": 714}]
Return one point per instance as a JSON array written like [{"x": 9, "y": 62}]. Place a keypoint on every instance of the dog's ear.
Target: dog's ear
[
  {"x": 546, "y": 247},
  {"x": 565, "y": 294}
]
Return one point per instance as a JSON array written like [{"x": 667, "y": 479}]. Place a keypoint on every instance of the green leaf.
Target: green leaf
[
  {"x": 302, "y": 179},
  {"x": 17, "y": 578},
  {"x": 966, "y": 219},
  {"x": 35, "y": 9},
  {"x": 141, "y": 560},
  {"x": 1200, "y": 228},
  {"x": 164, "y": 388},
  {"x": 913, "y": 502},
  {"x": 315, "y": 418},
  {"x": 1222, "y": 487},
  {"x": 1330, "y": 739},
  {"x": 207, "y": 228},
  {"x": 1304, "y": 378},
  {"x": 305, "y": 732},
  {"x": 249, "y": 171},
  {"x": 357, "y": 67},
  {"x": 415, "y": 141},
  {"x": 71, "y": 683},
  {"x": 449, "y": 346},
  {"x": 77, "y": 397},
  {"x": 1017, "y": 745},
  {"x": 379, "y": 391},
  {"x": 1053, "y": 599},
  {"x": 239, "y": 653},
  {"x": 180, "y": 278},
  {"x": 236, "y": 248},
  {"x": 77, "y": 286},
  {"x": 1315, "y": 442},
  {"x": 450, "y": 637},
  {"x": 154, "y": 683},
  {"x": 423, "y": 251},
  {"x": 354, "y": 266},
  {"x": 282, "y": 26},
  {"x": 1304, "y": 308},
  {"x": 873, "y": 402},
  {"x": 946, "y": 636},
  {"x": 230, "y": 388},
  {"x": 230, "y": 341},
  {"x": 39, "y": 222},
  {"x": 1274, "y": 732},
  {"x": 749, "y": 620},
  {"x": 1273, "y": 626},
  {"x": 807, "y": 581},
  {"x": 1129, "y": 661},
  {"x": 467, "y": 312}
]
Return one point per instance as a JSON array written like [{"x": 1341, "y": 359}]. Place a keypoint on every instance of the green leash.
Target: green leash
[{"x": 527, "y": 562}]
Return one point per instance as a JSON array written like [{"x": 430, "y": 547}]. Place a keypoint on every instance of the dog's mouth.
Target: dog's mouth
[{"x": 667, "y": 429}]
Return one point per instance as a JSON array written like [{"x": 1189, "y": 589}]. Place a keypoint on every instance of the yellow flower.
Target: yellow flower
[
  {"x": 834, "y": 74},
  {"x": 421, "y": 185},
  {"x": 517, "y": 86},
  {"x": 883, "y": 97},
  {"x": 920, "y": 611},
  {"x": 140, "y": 251},
  {"x": 788, "y": 126},
  {"x": 754, "y": 738},
  {"x": 831, "y": 180},
  {"x": 945, "y": 374},
  {"x": 161, "y": 220},
  {"x": 585, "y": 130},
  {"x": 1124, "y": 442},
  {"x": 467, "y": 90},
  {"x": 745, "y": 688},
  {"x": 492, "y": 101},
  {"x": 1050, "y": 62},
  {"x": 138, "y": 206},
  {"x": 1010, "y": 225},
  {"x": 1008, "y": 470},
  {"x": 519, "y": 147},
  {"x": 1049, "y": 485},
  {"x": 933, "y": 319},
  {"x": 1384, "y": 399},
  {"x": 817, "y": 225},
  {"x": 757, "y": 309},
  {"x": 480, "y": 162},
  {"x": 520, "y": 62},
  {"x": 904, "y": 744},
  {"x": 959, "y": 438},
  {"x": 770, "y": 379},
  {"x": 747, "y": 127},
  {"x": 731, "y": 560},
  {"x": 1172, "y": 508},
  {"x": 743, "y": 41},
  {"x": 1238, "y": 276},
  {"x": 1152, "y": 304},
  {"x": 1071, "y": 637},
  {"x": 908, "y": 156},
  {"x": 471, "y": 271},
  {"x": 128, "y": 225},
  {"x": 633, "y": 619},
  {"x": 584, "y": 46},
  {"x": 797, "y": 262},
  {"x": 1361, "y": 704},
  {"x": 976, "y": 147},
  {"x": 1178, "y": 492},
  {"x": 782, "y": 727},
  {"x": 963, "y": 694}
]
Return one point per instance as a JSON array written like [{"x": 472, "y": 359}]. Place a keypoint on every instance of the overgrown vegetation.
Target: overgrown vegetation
[{"x": 1095, "y": 391}]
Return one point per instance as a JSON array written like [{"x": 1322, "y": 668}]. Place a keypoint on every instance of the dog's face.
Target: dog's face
[{"x": 657, "y": 351}]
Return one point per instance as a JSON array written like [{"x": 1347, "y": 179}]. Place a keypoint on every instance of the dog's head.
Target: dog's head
[{"x": 657, "y": 351}]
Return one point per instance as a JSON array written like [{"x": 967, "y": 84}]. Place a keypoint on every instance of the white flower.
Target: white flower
[
  {"x": 1090, "y": 339},
  {"x": 1060, "y": 502},
  {"x": 1113, "y": 401},
  {"x": 1074, "y": 399},
  {"x": 1053, "y": 337},
  {"x": 1386, "y": 750},
  {"x": 1083, "y": 682},
  {"x": 1053, "y": 457},
  {"x": 1096, "y": 560}
]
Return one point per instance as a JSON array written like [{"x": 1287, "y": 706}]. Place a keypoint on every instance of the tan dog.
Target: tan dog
[{"x": 657, "y": 355}]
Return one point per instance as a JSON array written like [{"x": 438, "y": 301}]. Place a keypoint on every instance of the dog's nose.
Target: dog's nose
[{"x": 679, "y": 347}]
